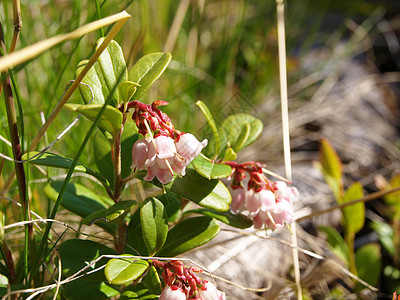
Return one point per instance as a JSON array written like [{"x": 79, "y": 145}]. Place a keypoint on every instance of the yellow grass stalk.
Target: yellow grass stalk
[
  {"x": 285, "y": 129},
  {"x": 29, "y": 52}
]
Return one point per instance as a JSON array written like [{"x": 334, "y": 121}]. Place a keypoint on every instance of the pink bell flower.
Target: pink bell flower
[
  {"x": 238, "y": 203},
  {"x": 173, "y": 292},
  {"x": 139, "y": 154},
  {"x": 283, "y": 191},
  {"x": 189, "y": 147},
  {"x": 209, "y": 292},
  {"x": 263, "y": 200}
]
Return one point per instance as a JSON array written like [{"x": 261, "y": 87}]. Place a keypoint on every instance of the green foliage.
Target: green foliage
[
  {"x": 152, "y": 281},
  {"x": 124, "y": 270},
  {"x": 354, "y": 215},
  {"x": 113, "y": 213},
  {"x": 93, "y": 290},
  {"x": 147, "y": 70},
  {"x": 189, "y": 234},
  {"x": 110, "y": 120},
  {"x": 138, "y": 292},
  {"x": 336, "y": 242},
  {"x": 238, "y": 221},
  {"x": 369, "y": 263},
  {"x": 209, "y": 169},
  {"x": 154, "y": 221}
]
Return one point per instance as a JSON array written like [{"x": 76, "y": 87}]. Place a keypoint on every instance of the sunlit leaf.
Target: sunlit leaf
[
  {"x": 124, "y": 270},
  {"x": 154, "y": 221},
  {"x": 147, "y": 70},
  {"x": 238, "y": 221},
  {"x": 354, "y": 215},
  {"x": 209, "y": 169},
  {"x": 189, "y": 234}
]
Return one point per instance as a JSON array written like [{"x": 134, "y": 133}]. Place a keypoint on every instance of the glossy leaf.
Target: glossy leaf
[
  {"x": 229, "y": 155},
  {"x": 207, "y": 193},
  {"x": 331, "y": 168},
  {"x": 238, "y": 135},
  {"x": 154, "y": 221},
  {"x": 110, "y": 120},
  {"x": 135, "y": 242},
  {"x": 79, "y": 200},
  {"x": 336, "y": 242},
  {"x": 172, "y": 204},
  {"x": 147, "y": 70},
  {"x": 210, "y": 120},
  {"x": 354, "y": 215},
  {"x": 138, "y": 292},
  {"x": 89, "y": 290},
  {"x": 369, "y": 263},
  {"x": 93, "y": 88},
  {"x": 124, "y": 270},
  {"x": 238, "y": 221},
  {"x": 127, "y": 90},
  {"x": 209, "y": 169},
  {"x": 189, "y": 234},
  {"x": 76, "y": 254},
  {"x": 110, "y": 214},
  {"x": 152, "y": 281},
  {"x": 57, "y": 161}
]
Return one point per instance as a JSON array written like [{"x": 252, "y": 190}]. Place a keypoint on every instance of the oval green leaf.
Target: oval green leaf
[
  {"x": 127, "y": 90},
  {"x": 138, "y": 292},
  {"x": 189, "y": 234},
  {"x": 76, "y": 254},
  {"x": 354, "y": 215},
  {"x": 110, "y": 120},
  {"x": 147, "y": 70},
  {"x": 369, "y": 263},
  {"x": 238, "y": 135},
  {"x": 238, "y": 221},
  {"x": 114, "y": 212},
  {"x": 154, "y": 221},
  {"x": 152, "y": 281},
  {"x": 209, "y": 169},
  {"x": 124, "y": 270}
]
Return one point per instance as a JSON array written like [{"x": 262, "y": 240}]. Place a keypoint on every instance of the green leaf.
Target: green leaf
[
  {"x": 57, "y": 161},
  {"x": 134, "y": 242},
  {"x": 89, "y": 290},
  {"x": 152, "y": 281},
  {"x": 76, "y": 254},
  {"x": 331, "y": 168},
  {"x": 207, "y": 193},
  {"x": 230, "y": 155},
  {"x": 386, "y": 236},
  {"x": 147, "y": 70},
  {"x": 369, "y": 263},
  {"x": 189, "y": 234},
  {"x": 238, "y": 221},
  {"x": 128, "y": 89},
  {"x": 354, "y": 215},
  {"x": 172, "y": 204},
  {"x": 209, "y": 169},
  {"x": 104, "y": 75},
  {"x": 154, "y": 221},
  {"x": 238, "y": 135},
  {"x": 336, "y": 242},
  {"x": 210, "y": 120},
  {"x": 124, "y": 270},
  {"x": 110, "y": 120},
  {"x": 138, "y": 292},
  {"x": 110, "y": 214},
  {"x": 79, "y": 200}
]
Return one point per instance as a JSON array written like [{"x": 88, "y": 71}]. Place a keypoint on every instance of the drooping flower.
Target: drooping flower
[
  {"x": 238, "y": 203},
  {"x": 173, "y": 292},
  {"x": 260, "y": 200},
  {"x": 209, "y": 292},
  {"x": 189, "y": 147}
]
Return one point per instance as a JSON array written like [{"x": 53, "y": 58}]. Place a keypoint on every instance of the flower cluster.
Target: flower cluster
[
  {"x": 267, "y": 203},
  {"x": 182, "y": 283},
  {"x": 164, "y": 150}
]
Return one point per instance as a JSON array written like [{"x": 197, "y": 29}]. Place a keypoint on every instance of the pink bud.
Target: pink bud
[
  {"x": 139, "y": 154},
  {"x": 172, "y": 293},
  {"x": 210, "y": 292},
  {"x": 189, "y": 147}
]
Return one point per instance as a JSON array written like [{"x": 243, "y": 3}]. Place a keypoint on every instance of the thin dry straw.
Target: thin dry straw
[{"x": 285, "y": 128}]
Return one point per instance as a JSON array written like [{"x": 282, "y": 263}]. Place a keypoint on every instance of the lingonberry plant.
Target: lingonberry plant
[{"x": 138, "y": 146}]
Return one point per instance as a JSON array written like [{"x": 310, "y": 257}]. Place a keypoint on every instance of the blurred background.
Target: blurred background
[{"x": 343, "y": 62}]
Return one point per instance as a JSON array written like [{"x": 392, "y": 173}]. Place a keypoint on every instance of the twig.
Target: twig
[
  {"x": 285, "y": 128},
  {"x": 17, "y": 24}
]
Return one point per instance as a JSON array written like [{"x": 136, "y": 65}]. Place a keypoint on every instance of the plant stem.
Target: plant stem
[
  {"x": 349, "y": 238},
  {"x": 16, "y": 147}
]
